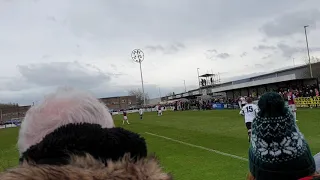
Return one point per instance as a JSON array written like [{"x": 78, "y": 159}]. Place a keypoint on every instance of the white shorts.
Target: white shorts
[
  {"x": 125, "y": 117},
  {"x": 292, "y": 107},
  {"x": 159, "y": 111}
]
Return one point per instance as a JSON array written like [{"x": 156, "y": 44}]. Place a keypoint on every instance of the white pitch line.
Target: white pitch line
[{"x": 200, "y": 147}]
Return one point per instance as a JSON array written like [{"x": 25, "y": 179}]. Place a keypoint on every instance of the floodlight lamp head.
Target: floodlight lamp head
[{"x": 137, "y": 55}]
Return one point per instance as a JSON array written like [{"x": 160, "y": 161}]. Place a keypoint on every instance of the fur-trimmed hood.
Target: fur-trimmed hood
[
  {"x": 78, "y": 139},
  {"x": 88, "y": 152},
  {"x": 88, "y": 168}
]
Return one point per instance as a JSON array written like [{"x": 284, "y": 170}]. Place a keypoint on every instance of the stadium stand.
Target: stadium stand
[{"x": 297, "y": 78}]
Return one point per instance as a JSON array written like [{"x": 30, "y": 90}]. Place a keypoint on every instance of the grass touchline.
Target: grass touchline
[{"x": 200, "y": 147}]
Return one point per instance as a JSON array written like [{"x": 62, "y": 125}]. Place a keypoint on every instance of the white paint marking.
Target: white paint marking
[{"x": 200, "y": 147}]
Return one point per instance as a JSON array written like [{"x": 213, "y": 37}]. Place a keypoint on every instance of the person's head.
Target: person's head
[
  {"x": 65, "y": 106},
  {"x": 71, "y": 123},
  {"x": 315, "y": 176},
  {"x": 278, "y": 149},
  {"x": 249, "y": 100}
]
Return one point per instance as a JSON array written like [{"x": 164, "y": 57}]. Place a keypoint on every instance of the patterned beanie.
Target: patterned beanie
[{"x": 278, "y": 149}]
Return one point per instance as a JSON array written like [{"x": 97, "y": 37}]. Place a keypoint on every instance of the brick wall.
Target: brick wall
[
  {"x": 122, "y": 102},
  {"x": 9, "y": 113}
]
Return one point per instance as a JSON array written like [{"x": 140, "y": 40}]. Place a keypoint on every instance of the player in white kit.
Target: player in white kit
[
  {"x": 249, "y": 111},
  {"x": 141, "y": 113}
]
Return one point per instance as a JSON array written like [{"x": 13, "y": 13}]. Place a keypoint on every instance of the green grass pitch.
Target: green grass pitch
[{"x": 185, "y": 141}]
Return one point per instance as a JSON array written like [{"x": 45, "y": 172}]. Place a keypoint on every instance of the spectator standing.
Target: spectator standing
[{"x": 278, "y": 150}]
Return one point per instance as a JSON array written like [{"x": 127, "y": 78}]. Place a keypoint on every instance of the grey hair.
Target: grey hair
[{"x": 65, "y": 106}]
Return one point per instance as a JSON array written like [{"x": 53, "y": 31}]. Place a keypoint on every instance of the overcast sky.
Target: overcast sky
[{"x": 87, "y": 43}]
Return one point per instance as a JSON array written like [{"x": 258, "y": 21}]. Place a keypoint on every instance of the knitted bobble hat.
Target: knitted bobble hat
[{"x": 278, "y": 149}]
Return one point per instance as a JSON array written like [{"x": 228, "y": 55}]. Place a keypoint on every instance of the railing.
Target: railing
[{"x": 308, "y": 101}]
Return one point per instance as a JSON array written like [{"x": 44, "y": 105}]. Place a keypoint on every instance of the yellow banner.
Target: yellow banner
[{"x": 308, "y": 102}]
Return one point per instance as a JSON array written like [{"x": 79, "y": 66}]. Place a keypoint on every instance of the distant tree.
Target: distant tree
[
  {"x": 170, "y": 94},
  {"x": 139, "y": 95},
  {"x": 313, "y": 59},
  {"x": 8, "y": 105}
]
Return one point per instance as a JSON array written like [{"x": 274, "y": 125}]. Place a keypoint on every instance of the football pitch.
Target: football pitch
[{"x": 191, "y": 145}]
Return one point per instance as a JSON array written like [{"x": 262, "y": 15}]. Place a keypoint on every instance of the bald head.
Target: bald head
[{"x": 65, "y": 106}]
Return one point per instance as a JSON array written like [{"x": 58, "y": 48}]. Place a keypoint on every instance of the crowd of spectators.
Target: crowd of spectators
[
  {"x": 301, "y": 91},
  {"x": 233, "y": 103}
]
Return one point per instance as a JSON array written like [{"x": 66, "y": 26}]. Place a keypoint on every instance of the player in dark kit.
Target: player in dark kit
[{"x": 159, "y": 110}]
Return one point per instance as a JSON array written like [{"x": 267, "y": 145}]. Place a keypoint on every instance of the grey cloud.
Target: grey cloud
[
  {"x": 51, "y": 18},
  {"x": 116, "y": 27},
  {"x": 264, "y": 40},
  {"x": 254, "y": 66},
  {"x": 243, "y": 54},
  {"x": 291, "y": 23},
  {"x": 170, "y": 49},
  {"x": 258, "y": 65},
  {"x": 23, "y": 97},
  {"x": 179, "y": 45},
  {"x": 213, "y": 54},
  {"x": 14, "y": 84},
  {"x": 289, "y": 51},
  {"x": 212, "y": 51},
  {"x": 46, "y": 56},
  {"x": 264, "y": 47},
  {"x": 267, "y": 56},
  {"x": 137, "y": 22},
  {"x": 39, "y": 79},
  {"x": 223, "y": 55},
  {"x": 155, "y": 48},
  {"x": 63, "y": 73},
  {"x": 114, "y": 66},
  {"x": 300, "y": 41}
]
